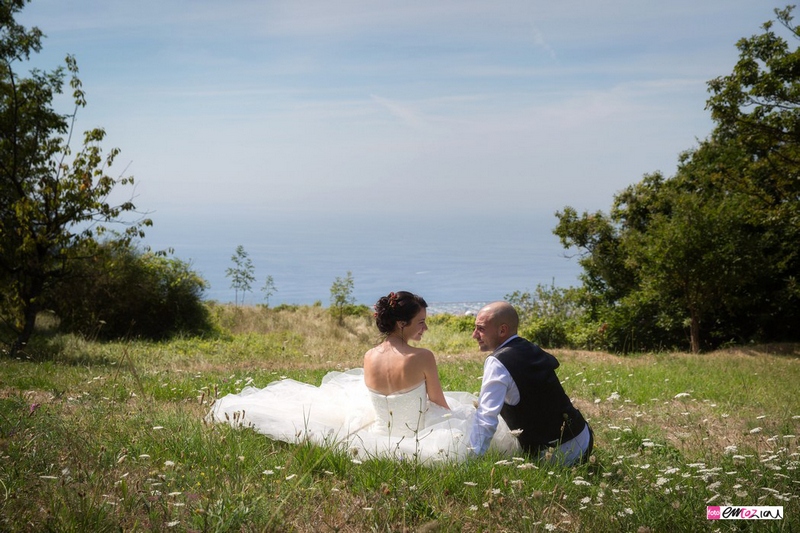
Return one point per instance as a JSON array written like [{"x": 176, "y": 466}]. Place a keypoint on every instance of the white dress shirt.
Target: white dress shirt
[{"x": 497, "y": 388}]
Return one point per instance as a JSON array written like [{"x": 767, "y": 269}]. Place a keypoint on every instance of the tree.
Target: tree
[
  {"x": 697, "y": 263},
  {"x": 342, "y": 295},
  {"x": 757, "y": 107},
  {"x": 241, "y": 273},
  {"x": 53, "y": 203},
  {"x": 268, "y": 289},
  {"x": 712, "y": 251}
]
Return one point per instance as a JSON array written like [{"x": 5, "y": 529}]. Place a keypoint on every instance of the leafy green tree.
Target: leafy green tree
[
  {"x": 52, "y": 202},
  {"x": 709, "y": 255},
  {"x": 697, "y": 262},
  {"x": 342, "y": 295},
  {"x": 241, "y": 273},
  {"x": 757, "y": 107},
  {"x": 683, "y": 257}
]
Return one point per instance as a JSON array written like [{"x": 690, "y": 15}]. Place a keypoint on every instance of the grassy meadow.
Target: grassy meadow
[{"x": 111, "y": 437}]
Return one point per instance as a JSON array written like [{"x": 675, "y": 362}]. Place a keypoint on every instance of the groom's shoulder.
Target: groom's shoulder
[
  {"x": 515, "y": 345},
  {"x": 519, "y": 346}
]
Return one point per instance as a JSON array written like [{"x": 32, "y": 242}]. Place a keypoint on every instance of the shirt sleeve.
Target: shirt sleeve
[{"x": 497, "y": 387}]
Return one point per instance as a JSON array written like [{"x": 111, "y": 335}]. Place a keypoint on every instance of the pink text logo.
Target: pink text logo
[{"x": 735, "y": 512}]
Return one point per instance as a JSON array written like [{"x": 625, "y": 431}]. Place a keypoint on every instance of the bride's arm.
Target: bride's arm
[{"x": 432, "y": 383}]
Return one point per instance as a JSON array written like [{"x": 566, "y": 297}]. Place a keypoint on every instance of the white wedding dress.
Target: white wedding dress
[{"x": 343, "y": 413}]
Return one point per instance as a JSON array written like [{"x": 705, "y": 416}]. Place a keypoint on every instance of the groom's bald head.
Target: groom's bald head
[
  {"x": 499, "y": 313},
  {"x": 494, "y": 324}
]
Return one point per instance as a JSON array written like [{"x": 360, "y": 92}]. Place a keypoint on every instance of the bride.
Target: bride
[{"x": 393, "y": 407}]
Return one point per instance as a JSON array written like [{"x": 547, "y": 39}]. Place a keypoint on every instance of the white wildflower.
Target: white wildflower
[
  {"x": 755, "y": 430},
  {"x": 291, "y": 476},
  {"x": 173, "y": 523},
  {"x": 169, "y": 463},
  {"x": 470, "y": 483},
  {"x": 682, "y": 395},
  {"x": 268, "y": 472}
]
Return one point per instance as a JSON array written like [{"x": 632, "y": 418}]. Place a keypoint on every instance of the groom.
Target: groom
[{"x": 520, "y": 384}]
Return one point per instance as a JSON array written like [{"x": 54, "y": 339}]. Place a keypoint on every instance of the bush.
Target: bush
[
  {"x": 453, "y": 323},
  {"x": 120, "y": 291},
  {"x": 549, "y": 332}
]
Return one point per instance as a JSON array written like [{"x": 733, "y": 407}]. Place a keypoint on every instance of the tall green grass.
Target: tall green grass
[{"x": 111, "y": 436}]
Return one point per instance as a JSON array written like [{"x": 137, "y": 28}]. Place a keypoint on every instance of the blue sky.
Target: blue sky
[{"x": 356, "y": 106}]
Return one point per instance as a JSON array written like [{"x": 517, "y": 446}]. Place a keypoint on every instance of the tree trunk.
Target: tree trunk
[
  {"x": 28, "y": 323},
  {"x": 30, "y": 295},
  {"x": 694, "y": 332}
]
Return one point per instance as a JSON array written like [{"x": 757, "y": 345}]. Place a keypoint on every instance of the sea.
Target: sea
[{"x": 456, "y": 262}]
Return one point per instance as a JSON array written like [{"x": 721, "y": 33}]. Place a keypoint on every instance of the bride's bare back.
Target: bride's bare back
[{"x": 393, "y": 366}]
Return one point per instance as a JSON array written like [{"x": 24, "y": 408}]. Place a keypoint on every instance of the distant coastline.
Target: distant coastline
[
  {"x": 455, "y": 308},
  {"x": 456, "y": 262}
]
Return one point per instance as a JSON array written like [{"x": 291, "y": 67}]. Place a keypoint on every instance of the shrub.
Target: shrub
[
  {"x": 120, "y": 291},
  {"x": 553, "y": 317},
  {"x": 453, "y": 323}
]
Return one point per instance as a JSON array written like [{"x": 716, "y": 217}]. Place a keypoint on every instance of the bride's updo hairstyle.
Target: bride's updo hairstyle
[{"x": 397, "y": 307}]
